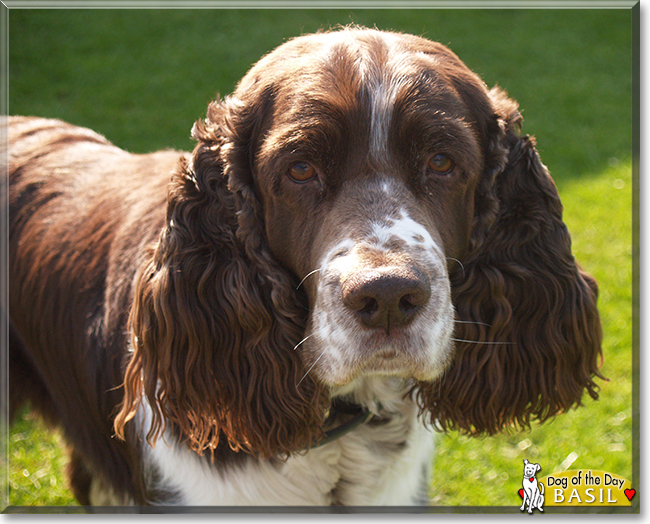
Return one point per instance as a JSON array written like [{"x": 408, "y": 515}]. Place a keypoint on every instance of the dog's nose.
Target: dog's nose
[{"x": 386, "y": 297}]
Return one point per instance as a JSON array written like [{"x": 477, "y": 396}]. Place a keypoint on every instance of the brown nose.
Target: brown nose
[{"x": 386, "y": 297}]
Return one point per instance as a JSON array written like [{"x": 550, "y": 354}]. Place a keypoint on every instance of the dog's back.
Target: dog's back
[{"x": 75, "y": 202}]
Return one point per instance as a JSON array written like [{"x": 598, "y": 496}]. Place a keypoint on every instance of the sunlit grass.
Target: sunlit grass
[{"x": 37, "y": 462}]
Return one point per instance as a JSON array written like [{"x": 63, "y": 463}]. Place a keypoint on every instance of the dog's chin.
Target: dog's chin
[{"x": 386, "y": 362}]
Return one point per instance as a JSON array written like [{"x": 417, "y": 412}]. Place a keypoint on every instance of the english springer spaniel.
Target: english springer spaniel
[{"x": 361, "y": 249}]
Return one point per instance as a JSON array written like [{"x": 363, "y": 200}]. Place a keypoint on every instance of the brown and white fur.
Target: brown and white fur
[{"x": 359, "y": 220}]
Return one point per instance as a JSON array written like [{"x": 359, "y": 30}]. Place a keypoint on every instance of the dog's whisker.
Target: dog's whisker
[
  {"x": 460, "y": 263},
  {"x": 307, "y": 275},
  {"x": 472, "y": 322},
  {"x": 310, "y": 368},
  {"x": 483, "y": 342},
  {"x": 303, "y": 340}
]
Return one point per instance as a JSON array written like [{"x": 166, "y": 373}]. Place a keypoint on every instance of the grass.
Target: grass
[
  {"x": 36, "y": 464},
  {"x": 142, "y": 78}
]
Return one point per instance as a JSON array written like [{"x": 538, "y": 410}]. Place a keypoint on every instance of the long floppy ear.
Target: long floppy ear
[
  {"x": 215, "y": 320},
  {"x": 528, "y": 331}
]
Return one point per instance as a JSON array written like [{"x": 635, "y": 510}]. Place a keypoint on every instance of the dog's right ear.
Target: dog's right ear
[{"x": 214, "y": 317}]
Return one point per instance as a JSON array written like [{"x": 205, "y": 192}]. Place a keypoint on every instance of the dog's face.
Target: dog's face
[
  {"x": 366, "y": 162},
  {"x": 530, "y": 470}
]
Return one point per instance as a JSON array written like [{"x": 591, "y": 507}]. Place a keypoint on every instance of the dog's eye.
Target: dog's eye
[
  {"x": 441, "y": 164},
  {"x": 301, "y": 172}
]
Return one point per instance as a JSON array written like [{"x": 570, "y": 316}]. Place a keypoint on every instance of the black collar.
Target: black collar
[{"x": 352, "y": 416}]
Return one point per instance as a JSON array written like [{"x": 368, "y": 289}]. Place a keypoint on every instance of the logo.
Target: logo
[
  {"x": 583, "y": 487},
  {"x": 533, "y": 491}
]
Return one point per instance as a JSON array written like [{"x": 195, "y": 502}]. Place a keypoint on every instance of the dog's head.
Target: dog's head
[
  {"x": 530, "y": 469},
  {"x": 361, "y": 205}
]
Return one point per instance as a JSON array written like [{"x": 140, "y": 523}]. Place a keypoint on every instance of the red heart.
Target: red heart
[
  {"x": 531, "y": 479},
  {"x": 629, "y": 493},
  {"x": 521, "y": 493}
]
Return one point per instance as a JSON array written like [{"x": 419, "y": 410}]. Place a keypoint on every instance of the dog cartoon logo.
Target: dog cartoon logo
[{"x": 533, "y": 492}]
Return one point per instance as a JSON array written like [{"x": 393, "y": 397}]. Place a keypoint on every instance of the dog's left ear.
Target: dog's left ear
[{"x": 528, "y": 331}]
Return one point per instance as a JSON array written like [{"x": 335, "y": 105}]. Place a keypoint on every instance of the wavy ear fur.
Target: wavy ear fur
[
  {"x": 215, "y": 320},
  {"x": 526, "y": 309}
]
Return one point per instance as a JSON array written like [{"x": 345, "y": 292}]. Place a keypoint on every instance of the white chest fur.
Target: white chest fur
[{"x": 382, "y": 464}]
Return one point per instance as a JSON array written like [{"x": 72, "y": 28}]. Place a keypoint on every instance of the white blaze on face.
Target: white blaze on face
[
  {"x": 385, "y": 68},
  {"x": 384, "y": 84},
  {"x": 382, "y": 103}
]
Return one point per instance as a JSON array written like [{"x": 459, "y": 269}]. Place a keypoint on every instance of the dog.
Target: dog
[
  {"x": 361, "y": 249},
  {"x": 533, "y": 491}
]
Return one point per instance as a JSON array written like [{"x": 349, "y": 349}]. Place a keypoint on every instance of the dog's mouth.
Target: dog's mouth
[
  {"x": 386, "y": 361},
  {"x": 338, "y": 353}
]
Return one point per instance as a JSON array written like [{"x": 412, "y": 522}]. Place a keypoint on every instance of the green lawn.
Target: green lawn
[{"x": 143, "y": 77}]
